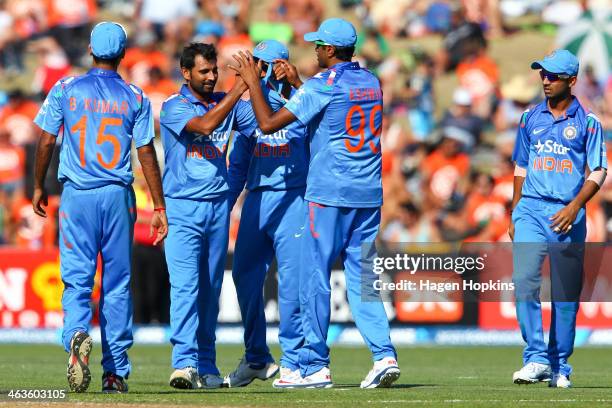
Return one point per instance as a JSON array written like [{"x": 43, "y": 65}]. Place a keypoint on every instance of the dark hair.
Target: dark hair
[
  {"x": 113, "y": 61},
  {"x": 345, "y": 53},
  {"x": 207, "y": 51}
]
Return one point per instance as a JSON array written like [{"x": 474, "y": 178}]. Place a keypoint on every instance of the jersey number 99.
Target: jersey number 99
[{"x": 359, "y": 131}]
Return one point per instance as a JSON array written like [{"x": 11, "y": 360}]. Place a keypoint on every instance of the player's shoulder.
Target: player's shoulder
[
  {"x": 592, "y": 119},
  {"x": 65, "y": 83},
  {"x": 176, "y": 99}
]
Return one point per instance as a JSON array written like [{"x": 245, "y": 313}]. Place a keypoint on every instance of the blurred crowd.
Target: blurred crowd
[{"x": 447, "y": 173}]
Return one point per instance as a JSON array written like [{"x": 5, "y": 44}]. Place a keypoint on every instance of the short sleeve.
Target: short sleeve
[
  {"x": 521, "y": 147},
  {"x": 144, "y": 130},
  {"x": 309, "y": 100},
  {"x": 595, "y": 144},
  {"x": 245, "y": 123},
  {"x": 175, "y": 113},
  {"x": 50, "y": 117}
]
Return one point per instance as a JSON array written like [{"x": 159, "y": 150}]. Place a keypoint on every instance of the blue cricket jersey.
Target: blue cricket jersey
[
  {"x": 555, "y": 152},
  {"x": 196, "y": 165},
  {"x": 343, "y": 109},
  {"x": 278, "y": 161},
  {"x": 101, "y": 114}
]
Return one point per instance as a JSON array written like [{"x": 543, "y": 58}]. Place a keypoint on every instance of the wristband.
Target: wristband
[{"x": 160, "y": 209}]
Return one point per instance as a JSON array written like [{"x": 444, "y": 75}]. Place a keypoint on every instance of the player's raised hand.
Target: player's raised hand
[
  {"x": 287, "y": 70},
  {"x": 40, "y": 199},
  {"x": 564, "y": 218},
  {"x": 246, "y": 67},
  {"x": 159, "y": 225},
  {"x": 240, "y": 85}
]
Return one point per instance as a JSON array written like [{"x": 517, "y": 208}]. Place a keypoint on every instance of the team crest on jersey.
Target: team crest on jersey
[{"x": 570, "y": 132}]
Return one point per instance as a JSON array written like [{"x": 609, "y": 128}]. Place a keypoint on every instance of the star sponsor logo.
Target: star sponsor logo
[
  {"x": 215, "y": 136},
  {"x": 550, "y": 146}
]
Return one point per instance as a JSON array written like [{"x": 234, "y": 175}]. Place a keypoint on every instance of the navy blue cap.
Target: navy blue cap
[
  {"x": 269, "y": 50},
  {"x": 334, "y": 31},
  {"x": 558, "y": 62},
  {"x": 108, "y": 40}
]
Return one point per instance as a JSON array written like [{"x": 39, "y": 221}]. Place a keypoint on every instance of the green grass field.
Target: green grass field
[{"x": 436, "y": 376}]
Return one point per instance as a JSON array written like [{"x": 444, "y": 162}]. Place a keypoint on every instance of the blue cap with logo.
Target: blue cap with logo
[
  {"x": 269, "y": 50},
  {"x": 558, "y": 62},
  {"x": 107, "y": 40},
  {"x": 334, "y": 31}
]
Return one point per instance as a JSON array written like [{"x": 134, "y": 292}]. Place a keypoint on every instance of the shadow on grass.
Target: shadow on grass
[{"x": 398, "y": 386}]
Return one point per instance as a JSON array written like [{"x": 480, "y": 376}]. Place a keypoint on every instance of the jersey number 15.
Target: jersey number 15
[{"x": 81, "y": 128}]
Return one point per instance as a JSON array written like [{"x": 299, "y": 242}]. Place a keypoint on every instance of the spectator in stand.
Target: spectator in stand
[
  {"x": 484, "y": 217},
  {"x": 463, "y": 39},
  {"x": 589, "y": 92},
  {"x": 479, "y": 74},
  {"x": 517, "y": 95},
  {"x": 486, "y": 13},
  {"x": 12, "y": 166},
  {"x": 143, "y": 56},
  {"x": 229, "y": 12},
  {"x": 461, "y": 116},
  {"x": 158, "y": 89},
  {"x": 69, "y": 23},
  {"x": 29, "y": 230},
  {"x": 303, "y": 15},
  {"x": 410, "y": 225},
  {"x": 446, "y": 172},
  {"x": 171, "y": 21},
  {"x": 19, "y": 21},
  {"x": 53, "y": 65},
  {"x": 17, "y": 118}
]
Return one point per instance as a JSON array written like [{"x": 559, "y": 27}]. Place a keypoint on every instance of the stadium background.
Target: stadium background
[{"x": 455, "y": 76}]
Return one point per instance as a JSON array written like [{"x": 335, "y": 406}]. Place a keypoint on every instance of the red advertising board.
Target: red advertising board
[
  {"x": 31, "y": 288},
  {"x": 501, "y": 315}
]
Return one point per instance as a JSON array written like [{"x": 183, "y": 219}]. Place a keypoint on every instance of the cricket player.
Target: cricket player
[
  {"x": 343, "y": 107},
  {"x": 561, "y": 163},
  {"x": 275, "y": 166},
  {"x": 195, "y": 127},
  {"x": 101, "y": 115}
]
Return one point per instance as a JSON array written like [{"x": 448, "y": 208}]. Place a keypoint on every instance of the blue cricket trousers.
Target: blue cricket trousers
[
  {"x": 533, "y": 240},
  {"x": 196, "y": 247},
  {"x": 270, "y": 225},
  {"x": 92, "y": 222},
  {"x": 350, "y": 233}
]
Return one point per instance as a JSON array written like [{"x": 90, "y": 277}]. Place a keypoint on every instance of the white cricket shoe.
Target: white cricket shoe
[
  {"x": 210, "y": 381},
  {"x": 384, "y": 373},
  {"x": 185, "y": 378},
  {"x": 560, "y": 381},
  {"x": 532, "y": 373},
  {"x": 287, "y": 378},
  {"x": 320, "y": 379},
  {"x": 244, "y": 374}
]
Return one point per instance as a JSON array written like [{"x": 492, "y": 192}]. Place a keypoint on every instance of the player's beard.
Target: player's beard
[{"x": 204, "y": 88}]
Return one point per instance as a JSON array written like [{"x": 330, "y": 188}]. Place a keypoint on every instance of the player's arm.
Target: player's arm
[
  {"x": 44, "y": 153},
  {"x": 520, "y": 156},
  {"x": 208, "y": 122},
  {"x": 268, "y": 120},
  {"x": 150, "y": 169},
  {"x": 239, "y": 161},
  {"x": 597, "y": 161}
]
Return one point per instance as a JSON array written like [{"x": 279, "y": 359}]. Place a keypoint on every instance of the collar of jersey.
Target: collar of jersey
[
  {"x": 345, "y": 65},
  {"x": 571, "y": 110},
  {"x": 109, "y": 73}
]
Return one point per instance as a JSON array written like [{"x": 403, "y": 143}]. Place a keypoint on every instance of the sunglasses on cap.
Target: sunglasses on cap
[
  {"x": 320, "y": 44},
  {"x": 553, "y": 77}
]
